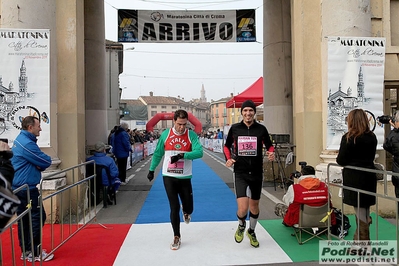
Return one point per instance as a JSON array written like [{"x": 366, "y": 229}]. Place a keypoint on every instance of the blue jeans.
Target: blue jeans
[{"x": 24, "y": 232}]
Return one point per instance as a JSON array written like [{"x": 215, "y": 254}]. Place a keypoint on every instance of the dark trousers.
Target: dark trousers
[
  {"x": 176, "y": 188},
  {"x": 122, "y": 164},
  {"x": 23, "y": 227}
]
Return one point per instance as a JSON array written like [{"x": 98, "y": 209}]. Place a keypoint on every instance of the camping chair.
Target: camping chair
[
  {"x": 311, "y": 217},
  {"x": 108, "y": 192}
]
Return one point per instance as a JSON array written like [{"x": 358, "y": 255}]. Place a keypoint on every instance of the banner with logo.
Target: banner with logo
[
  {"x": 355, "y": 80},
  {"x": 167, "y": 26},
  {"x": 24, "y": 81}
]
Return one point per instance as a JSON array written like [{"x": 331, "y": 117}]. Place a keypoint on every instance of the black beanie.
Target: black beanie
[{"x": 248, "y": 103}]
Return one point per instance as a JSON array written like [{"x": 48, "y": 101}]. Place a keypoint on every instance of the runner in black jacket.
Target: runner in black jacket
[{"x": 244, "y": 150}]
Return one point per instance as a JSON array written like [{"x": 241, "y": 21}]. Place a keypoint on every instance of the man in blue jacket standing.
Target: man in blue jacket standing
[
  {"x": 29, "y": 161},
  {"x": 121, "y": 147}
]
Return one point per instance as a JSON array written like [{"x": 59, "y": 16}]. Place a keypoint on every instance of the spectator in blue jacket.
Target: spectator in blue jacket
[
  {"x": 121, "y": 147},
  {"x": 220, "y": 134},
  {"x": 101, "y": 158},
  {"x": 29, "y": 161}
]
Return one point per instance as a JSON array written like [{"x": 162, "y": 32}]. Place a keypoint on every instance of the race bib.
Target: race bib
[
  {"x": 247, "y": 146},
  {"x": 176, "y": 168}
]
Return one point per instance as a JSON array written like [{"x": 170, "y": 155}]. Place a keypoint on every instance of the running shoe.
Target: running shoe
[
  {"x": 27, "y": 254},
  {"x": 239, "y": 236},
  {"x": 176, "y": 243},
  {"x": 44, "y": 257},
  {"x": 252, "y": 239},
  {"x": 186, "y": 218}
]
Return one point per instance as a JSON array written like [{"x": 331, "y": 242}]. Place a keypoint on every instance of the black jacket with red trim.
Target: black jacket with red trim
[{"x": 244, "y": 163}]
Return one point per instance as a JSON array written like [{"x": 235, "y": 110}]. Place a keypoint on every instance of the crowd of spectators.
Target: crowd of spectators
[
  {"x": 218, "y": 134},
  {"x": 136, "y": 136}
]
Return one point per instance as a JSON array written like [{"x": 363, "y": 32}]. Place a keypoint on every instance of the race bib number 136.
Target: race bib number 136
[{"x": 247, "y": 146}]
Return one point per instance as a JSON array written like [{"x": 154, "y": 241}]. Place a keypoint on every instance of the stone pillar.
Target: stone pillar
[
  {"x": 95, "y": 72},
  {"x": 277, "y": 84},
  {"x": 307, "y": 80},
  {"x": 40, "y": 15},
  {"x": 70, "y": 86},
  {"x": 338, "y": 18}
]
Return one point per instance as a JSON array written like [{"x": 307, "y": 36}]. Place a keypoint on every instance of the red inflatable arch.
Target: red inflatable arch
[{"x": 169, "y": 116}]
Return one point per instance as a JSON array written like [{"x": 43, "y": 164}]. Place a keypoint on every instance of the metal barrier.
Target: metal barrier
[
  {"x": 359, "y": 191},
  {"x": 73, "y": 211}
]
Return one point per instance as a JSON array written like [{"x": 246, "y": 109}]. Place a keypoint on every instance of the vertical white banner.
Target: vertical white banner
[
  {"x": 24, "y": 81},
  {"x": 355, "y": 80}
]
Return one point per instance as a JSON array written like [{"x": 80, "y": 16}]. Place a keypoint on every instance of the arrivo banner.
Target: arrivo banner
[{"x": 166, "y": 26}]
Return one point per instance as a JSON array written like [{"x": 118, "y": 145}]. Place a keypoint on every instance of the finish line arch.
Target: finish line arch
[{"x": 169, "y": 116}]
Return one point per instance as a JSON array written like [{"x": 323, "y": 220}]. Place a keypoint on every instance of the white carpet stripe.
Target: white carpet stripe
[
  {"x": 202, "y": 244},
  {"x": 271, "y": 197},
  {"x": 218, "y": 159}
]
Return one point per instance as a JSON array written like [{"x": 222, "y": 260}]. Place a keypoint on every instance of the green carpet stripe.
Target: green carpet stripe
[{"x": 309, "y": 251}]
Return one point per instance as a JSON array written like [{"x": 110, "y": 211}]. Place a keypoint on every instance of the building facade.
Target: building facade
[
  {"x": 162, "y": 104},
  {"x": 219, "y": 113}
]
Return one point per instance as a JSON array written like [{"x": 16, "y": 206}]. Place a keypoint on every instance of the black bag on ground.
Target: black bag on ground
[{"x": 340, "y": 219}]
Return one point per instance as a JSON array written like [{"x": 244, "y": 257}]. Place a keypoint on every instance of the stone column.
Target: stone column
[
  {"x": 277, "y": 84},
  {"x": 38, "y": 15},
  {"x": 338, "y": 18},
  {"x": 95, "y": 72},
  {"x": 70, "y": 85},
  {"x": 307, "y": 80}
]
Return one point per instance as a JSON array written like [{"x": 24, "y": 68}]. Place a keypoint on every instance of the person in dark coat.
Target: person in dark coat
[
  {"x": 6, "y": 168},
  {"x": 391, "y": 145},
  {"x": 121, "y": 147},
  {"x": 8, "y": 201},
  {"x": 358, "y": 148}
]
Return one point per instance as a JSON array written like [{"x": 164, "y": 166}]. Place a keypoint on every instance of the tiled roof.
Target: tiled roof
[
  {"x": 114, "y": 43},
  {"x": 161, "y": 100},
  {"x": 201, "y": 105},
  {"x": 222, "y": 100},
  {"x": 158, "y": 100},
  {"x": 133, "y": 102}
]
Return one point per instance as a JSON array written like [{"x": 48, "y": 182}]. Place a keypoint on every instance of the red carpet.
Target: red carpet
[{"x": 93, "y": 245}]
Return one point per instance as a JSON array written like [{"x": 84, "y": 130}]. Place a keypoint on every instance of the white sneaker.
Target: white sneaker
[
  {"x": 176, "y": 243},
  {"x": 44, "y": 256},
  {"x": 186, "y": 218},
  {"x": 27, "y": 255}
]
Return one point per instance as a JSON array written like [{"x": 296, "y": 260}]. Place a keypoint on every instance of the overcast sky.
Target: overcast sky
[{"x": 181, "y": 69}]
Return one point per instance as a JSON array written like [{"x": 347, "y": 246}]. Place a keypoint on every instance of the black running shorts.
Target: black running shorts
[{"x": 248, "y": 185}]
